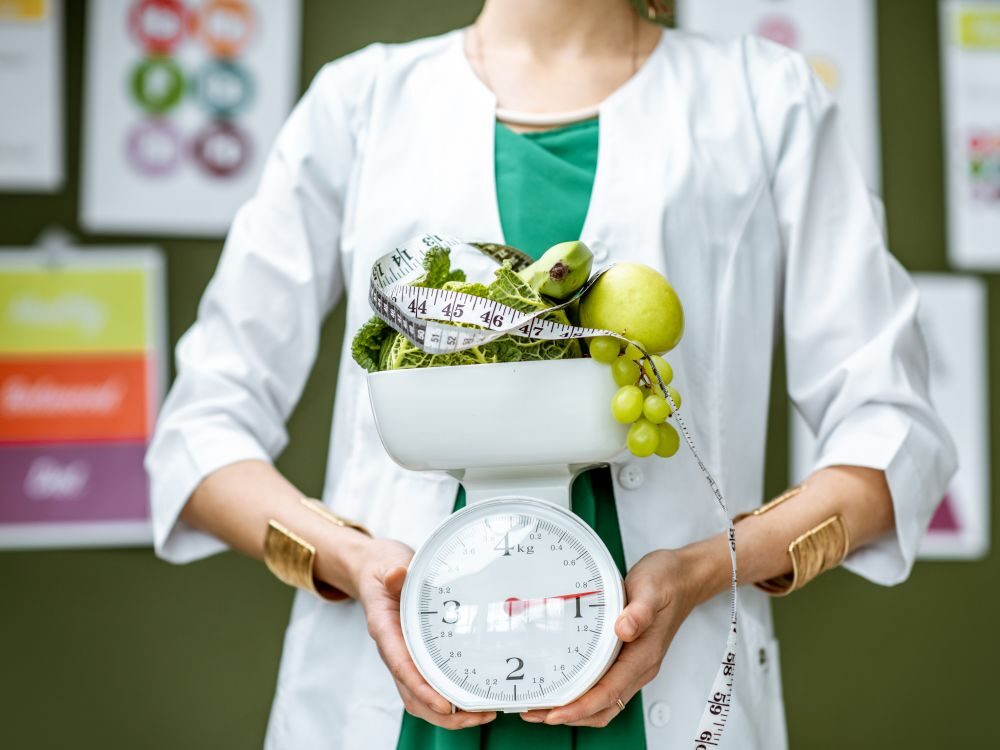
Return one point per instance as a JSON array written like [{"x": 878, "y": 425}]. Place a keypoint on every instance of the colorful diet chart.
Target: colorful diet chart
[
  {"x": 82, "y": 368},
  {"x": 182, "y": 103}
]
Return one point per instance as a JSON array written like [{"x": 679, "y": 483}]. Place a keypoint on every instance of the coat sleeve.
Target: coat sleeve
[
  {"x": 241, "y": 367},
  {"x": 857, "y": 363}
]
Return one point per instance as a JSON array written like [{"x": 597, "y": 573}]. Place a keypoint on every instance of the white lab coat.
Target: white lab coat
[{"x": 724, "y": 165}]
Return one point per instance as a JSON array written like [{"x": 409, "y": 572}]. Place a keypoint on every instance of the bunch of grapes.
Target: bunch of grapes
[{"x": 640, "y": 401}]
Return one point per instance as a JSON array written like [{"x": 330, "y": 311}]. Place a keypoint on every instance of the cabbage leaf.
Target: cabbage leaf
[{"x": 377, "y": 347}]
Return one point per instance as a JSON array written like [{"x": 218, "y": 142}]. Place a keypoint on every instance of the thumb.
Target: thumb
[
  {"x": 393, "y": 578},
  {"x": 645, "y": 601}
]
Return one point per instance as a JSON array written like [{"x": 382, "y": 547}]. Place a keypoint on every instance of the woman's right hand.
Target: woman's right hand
[{"x": 378, "y": 582}]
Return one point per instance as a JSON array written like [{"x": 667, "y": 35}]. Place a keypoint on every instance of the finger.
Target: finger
[
  {"x": 645, "y": 600},
  {"x": 624, "y": 678},
  {"x": 393, "y": 579},
  {"x": 604, "y": 717},
  {"x": 457, "y": 720},
  {"x": 599, "y": 698},
  {"x": 634, "y": 620},
  {"x": 598, "y": 720},
  {"x": 388, "y": 637},
  {"x": 537, "y": 716}
]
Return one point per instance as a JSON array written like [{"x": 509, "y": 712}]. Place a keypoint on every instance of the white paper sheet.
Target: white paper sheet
[
  {"x": 838, "y": 39},
  {"x": 183, "y": 103},
  {"x": 953, "y": 317},
  {"x": 970, "y": 58},
  {"x": 31, "y": 92}
]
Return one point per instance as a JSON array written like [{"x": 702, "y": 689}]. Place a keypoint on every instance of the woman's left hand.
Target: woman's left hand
[{"x": 662, "y": 589}]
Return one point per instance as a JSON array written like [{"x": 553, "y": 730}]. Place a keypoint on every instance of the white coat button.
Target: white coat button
[
  {"x": 631, "y": 477},
  {"x": 600, "y": 251},
  {"x": 659, "y": 714}
]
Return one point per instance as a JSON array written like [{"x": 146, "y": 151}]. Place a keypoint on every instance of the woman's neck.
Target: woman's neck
[
  {"x": 547, "y": 30},
  {"x": 555, "y": 56}
]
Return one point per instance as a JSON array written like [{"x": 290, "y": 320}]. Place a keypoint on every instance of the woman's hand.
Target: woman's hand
[
  {"x": 379, "y": 582},
  {"x": 662, "y": 589}
]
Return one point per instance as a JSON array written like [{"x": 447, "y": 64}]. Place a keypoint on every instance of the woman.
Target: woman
[{"x": 724, "y": 165}]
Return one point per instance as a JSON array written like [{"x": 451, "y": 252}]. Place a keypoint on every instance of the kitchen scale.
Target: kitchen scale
[{"x": 510, "y": 603}]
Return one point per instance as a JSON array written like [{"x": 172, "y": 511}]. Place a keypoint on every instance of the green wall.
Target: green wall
[{"x": 113, "y": 648}]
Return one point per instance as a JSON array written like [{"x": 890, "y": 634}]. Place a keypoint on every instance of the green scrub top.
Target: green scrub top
[{"x": 543, "y": 183}]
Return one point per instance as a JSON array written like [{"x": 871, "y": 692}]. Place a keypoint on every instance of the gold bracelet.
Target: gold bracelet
[
  {"x": 816, "y": 551},
  {"x": 292, "y": 559}
]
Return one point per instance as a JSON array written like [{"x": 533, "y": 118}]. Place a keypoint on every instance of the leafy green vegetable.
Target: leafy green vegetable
[
  {"x": 437, "y": 269},
  {"x": 377, "y": 347},
  {"x": 466, "y": 287},
  {"x": 513, "y": 291},
  {"x": 367, "y": 345}
]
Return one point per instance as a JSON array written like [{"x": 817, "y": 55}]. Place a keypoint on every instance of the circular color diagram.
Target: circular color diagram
[
  {"x": 158, "y": 25},
  {"x": 779, "y": 29},
  {"x": 224, "y": 88},
  {"x": 154, "y": 148},
  {"x": 223, "y": 26},
  {"x": 221, "y": 149},
  {"x": 827, "y": 71},
  {"x": 157, "y": 84}
]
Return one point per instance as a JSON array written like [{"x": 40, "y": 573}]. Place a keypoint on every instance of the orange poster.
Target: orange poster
[{"x": 74, "y": 398}]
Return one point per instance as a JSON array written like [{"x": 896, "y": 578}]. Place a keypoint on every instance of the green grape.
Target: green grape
[
  {"x": 676, "y": 396},
  {"x": 605, "y": 349},
  {"x": 625, "y": 371},
  {"x": 626, "y": 404},
  {"x": 664, "y": 368},
  {"x": 655, "y": 408},
  {"x": 643, "y": 438},
  {"x": 669, "y": 441},
  {"x": 633, "y": 352}
]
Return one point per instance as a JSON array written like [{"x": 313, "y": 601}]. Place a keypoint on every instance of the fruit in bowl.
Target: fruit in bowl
[
  {"x": 636, "y": 302},
  {"x": 633, "y": 305}
]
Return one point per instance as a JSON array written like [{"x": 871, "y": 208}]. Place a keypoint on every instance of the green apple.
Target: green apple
[{"x": 635, "y": 301}]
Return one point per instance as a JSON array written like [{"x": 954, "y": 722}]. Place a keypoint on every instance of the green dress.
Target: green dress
[{"x": 544, "y": 180}]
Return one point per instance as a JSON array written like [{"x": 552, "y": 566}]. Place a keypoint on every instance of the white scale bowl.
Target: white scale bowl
[{"x": 528, "y": 426}]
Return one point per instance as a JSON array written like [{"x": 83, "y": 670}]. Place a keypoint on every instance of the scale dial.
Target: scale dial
[{"x": 510, "y": 605}]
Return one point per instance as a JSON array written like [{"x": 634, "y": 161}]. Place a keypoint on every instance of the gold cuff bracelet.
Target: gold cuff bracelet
[
  {"x": 292, "y": 559},
  {"x": 816, "y": 551}
]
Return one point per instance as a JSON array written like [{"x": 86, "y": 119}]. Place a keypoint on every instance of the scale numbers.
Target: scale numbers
[{"x": 511, "y": 605}]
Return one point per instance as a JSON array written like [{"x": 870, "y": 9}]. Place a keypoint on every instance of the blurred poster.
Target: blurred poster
[
  {"x": 970, "y": 44},
  {"x": 837, "y": 38},
  {"x": 953, "y": 318},
  {"x": 31, "y": 92},
  {"x": 82, "y": 346},
  {"x": 183, "y": 102}
]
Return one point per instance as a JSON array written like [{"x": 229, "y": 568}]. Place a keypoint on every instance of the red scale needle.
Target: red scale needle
[{"x": 521, "y": 605}]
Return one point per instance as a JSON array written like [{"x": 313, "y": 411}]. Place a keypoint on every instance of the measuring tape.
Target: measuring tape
[{"x": 427, "y": 318}]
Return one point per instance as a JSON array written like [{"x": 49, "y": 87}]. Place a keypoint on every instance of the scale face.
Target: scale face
[{"x": 510, "y": 605}]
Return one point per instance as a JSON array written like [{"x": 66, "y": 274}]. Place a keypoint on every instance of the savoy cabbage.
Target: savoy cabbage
[{"x": 377, "y": 346}]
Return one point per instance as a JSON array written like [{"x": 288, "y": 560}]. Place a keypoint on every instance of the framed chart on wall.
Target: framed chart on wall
[
  {"x": 82, "y": 372},
  {"x": 838, "y": 39},
  {"x": 953, "y": 319},
  {"x": 183, "y": 100},
  {"x": 970, "y": 58},
  {"x": 31, "y": 92}
]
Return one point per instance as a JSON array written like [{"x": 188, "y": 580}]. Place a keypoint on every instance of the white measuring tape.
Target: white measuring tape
[{"x": 427, "y": 318}]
